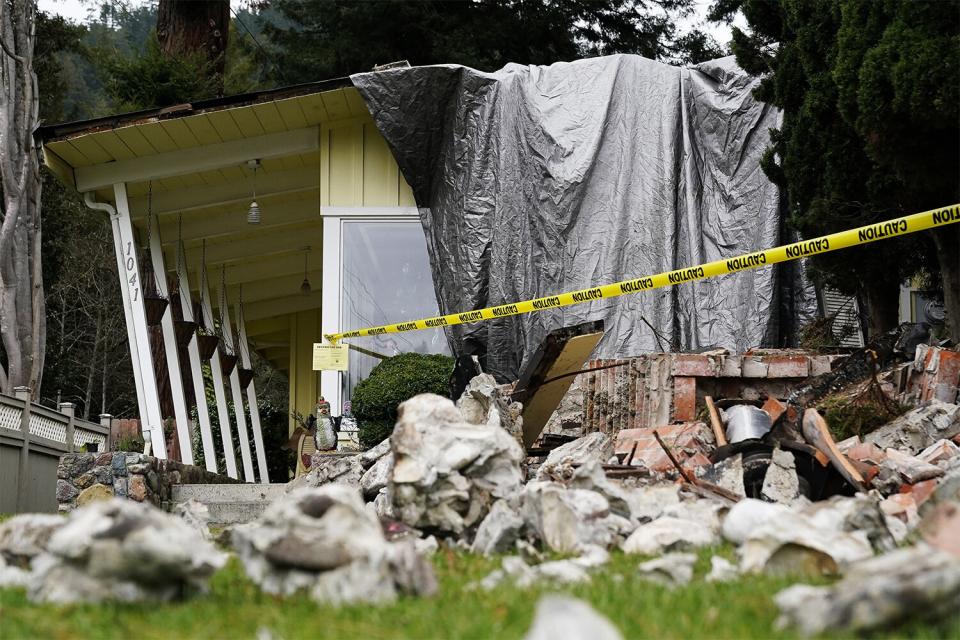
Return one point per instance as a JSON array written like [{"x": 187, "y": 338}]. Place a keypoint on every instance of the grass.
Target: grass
[{"x": 235, "y": 608}]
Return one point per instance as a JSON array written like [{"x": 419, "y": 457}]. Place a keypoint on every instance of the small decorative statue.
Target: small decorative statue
[{"x": 326, "y": 437}]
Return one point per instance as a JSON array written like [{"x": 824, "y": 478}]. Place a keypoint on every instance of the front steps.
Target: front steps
[{"x": 230, "y": 504}]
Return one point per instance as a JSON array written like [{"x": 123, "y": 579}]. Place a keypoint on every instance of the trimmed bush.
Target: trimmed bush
[{"x": 375, "y": 400}]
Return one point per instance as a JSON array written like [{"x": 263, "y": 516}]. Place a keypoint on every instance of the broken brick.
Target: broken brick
[
  {"x": 684, "y": 398},
  {"x": 787, "y": 366},
  {"x": 774, "y": 409},
  {"x": 694, "y": 364}
]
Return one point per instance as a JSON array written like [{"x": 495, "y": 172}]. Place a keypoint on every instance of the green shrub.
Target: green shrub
[{"x": 375, "y": 400}]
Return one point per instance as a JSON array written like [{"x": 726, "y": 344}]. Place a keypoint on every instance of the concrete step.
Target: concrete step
[
  {"x": 230, "y": 504},
  {"x": 208, "y": 493},
  {"x": 233, "y": 513}
]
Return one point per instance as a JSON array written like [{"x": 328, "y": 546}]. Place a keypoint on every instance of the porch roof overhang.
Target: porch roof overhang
[{"x": 191, "y": 161}]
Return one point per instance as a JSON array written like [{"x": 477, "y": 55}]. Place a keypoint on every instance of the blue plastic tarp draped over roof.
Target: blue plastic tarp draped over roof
[{"x": 537, "y": 180}]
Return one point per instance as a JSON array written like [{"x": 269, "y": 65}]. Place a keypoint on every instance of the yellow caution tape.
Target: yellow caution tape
[{"x": 823, "y": 244}]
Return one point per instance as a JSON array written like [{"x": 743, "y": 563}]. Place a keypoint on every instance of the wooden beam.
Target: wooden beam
[
  {"x": 272, "y": 240},
  {"x": 269, "y": 184},
  {"x": 196, "y": 159},
  {"x": 268, "y": 326},
  {"x": 270, "y": 288},
  {"x": 217, "y": 224},
  {"x": 258, "y": 268},
  {"x": 281, "y": 306}
]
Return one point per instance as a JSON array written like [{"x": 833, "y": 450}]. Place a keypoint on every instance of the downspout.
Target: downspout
[{"x": 88, "y": 199}]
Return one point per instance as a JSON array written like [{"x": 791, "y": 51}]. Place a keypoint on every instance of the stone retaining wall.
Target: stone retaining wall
[{"x": 84, "y": 477}]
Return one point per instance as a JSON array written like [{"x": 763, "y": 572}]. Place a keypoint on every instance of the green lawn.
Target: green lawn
[{"x": 235, "y": 608}]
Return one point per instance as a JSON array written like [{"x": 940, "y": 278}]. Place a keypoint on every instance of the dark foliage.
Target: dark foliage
[
  {"x": 328, "y": 38},
  {"x": 375, "y": 400},
  {"x": 870, "y": 131}
]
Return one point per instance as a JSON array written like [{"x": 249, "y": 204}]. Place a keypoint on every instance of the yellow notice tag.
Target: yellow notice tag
[{"x": 330, "y": 357}]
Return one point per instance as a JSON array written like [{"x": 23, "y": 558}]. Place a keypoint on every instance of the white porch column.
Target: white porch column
[
  {"x": 223, "y": 413},
  {"x": 252, "y": 397},
  {"x": 125, "y": 294},
  {"x": 129, "y": 268},
  {"x": 170, "y": 347},
  {"x": 196, "y": 373},
  {"x": 238, "y": 409},
  {"x": 330, "y": 308}
]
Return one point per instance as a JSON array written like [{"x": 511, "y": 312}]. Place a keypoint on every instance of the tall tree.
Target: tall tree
[
  {"x": 865, "y": 88},
  {"x": 196, "y": 27},
  {"x": 22, "y": 306},
  {"x": 319, "y": 39}
]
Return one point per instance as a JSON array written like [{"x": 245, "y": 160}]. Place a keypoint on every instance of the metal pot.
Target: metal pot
[{"x": 746, "y": 422}]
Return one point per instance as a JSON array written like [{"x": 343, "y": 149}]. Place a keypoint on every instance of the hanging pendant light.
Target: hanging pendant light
[
  {"x": 305, "y": 287},
  {"x": 253, "y": 213}
]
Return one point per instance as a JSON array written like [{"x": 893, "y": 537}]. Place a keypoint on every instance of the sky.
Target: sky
[{"x": 76, "y": 10}]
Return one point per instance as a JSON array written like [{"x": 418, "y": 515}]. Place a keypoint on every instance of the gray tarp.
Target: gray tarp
[{"x": 537, "y": 180}]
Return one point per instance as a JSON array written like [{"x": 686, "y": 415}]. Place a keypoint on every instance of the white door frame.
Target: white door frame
[{"x": 333, "y": 219}]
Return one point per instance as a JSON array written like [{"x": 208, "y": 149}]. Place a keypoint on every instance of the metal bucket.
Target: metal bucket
[{"x": 746, "y": 422}]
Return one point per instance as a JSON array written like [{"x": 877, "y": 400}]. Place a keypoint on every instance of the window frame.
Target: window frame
[{"x": 332, "y": 291}]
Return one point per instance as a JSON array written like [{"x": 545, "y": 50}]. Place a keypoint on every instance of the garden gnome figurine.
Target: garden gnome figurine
[{"x": 326, "y": 437}]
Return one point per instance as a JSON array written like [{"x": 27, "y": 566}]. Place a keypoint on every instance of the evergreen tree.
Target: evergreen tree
[
  {"x": 868, "y": 91},
  {"x": 320, "y": 39}
]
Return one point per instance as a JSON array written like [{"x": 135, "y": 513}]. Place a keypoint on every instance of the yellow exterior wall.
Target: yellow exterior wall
[
  {"x": 304, "y": 381},
  {"x": 357, "y": 169}
]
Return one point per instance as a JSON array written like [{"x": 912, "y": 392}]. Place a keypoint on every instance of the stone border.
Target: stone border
[{"x": 85, "y": 477}]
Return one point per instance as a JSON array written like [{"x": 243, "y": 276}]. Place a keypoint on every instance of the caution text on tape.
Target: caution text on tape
[{"x": 806, "y": 248}]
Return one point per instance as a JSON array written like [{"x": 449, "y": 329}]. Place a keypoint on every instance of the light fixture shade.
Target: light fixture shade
[
  {"x": 305, "y": 287},
  {"x": 253, "y": 213}
]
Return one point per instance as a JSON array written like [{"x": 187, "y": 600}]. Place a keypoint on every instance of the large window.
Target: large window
[{"x": 381, "y": 275}]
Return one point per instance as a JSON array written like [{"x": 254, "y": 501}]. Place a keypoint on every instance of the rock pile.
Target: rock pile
[
  {"x": 112, "y": 550},
  {"x": 324, "y": 541},
  {"x": 448, "y": 472}
]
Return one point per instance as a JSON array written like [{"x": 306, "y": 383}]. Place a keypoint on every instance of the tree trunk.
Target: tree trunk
[
  {"x": 882, "y": 300},
  {"x": 22, "y": 307},
  {"x": 187, "y": 27},
  {"x": 92, "y": 370},
  {"x": 947, "y": 241}
]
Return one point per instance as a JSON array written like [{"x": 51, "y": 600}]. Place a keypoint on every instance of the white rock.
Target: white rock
[
  {"x": 196, "y": 514},
  {"x": 721, "y": 570},
  {"x": 376, "y": 477},
  {"x": 648, "y": 503},
  {"x": 912, "y": 469},
  {"x": 780, "y": 484},
  {"x": 596, "y": 447},
  {"x": 447, "y": 472},
  {"x": 668, "y": 533},
  {"x": 571, "y": 619},
  {"x": 370, "y": 456},
  {"x": 778, "y": 540},
  {"x": 568, "y": 520},
  {"x": 26, "y": 536},
  {"x": 323, "y": 540},
  {"x": 122, "y": 550},
  {"x": 483, "y": 403},
  {"x": 671, "y": 569},
  {"x": 916, "y": 582},
  {"x": 499, "y": 531},
  {"x": 919, "y": 428}
]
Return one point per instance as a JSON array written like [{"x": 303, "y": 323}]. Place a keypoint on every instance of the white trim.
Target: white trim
[
  {"x": 180, "y": 412},
  {"x": 196, "y": 373},
  {"x": 252, "y": 397},
  {"x": 333, "y": 219},
  {"x": 369, "y": 212},
  {"x": 129, "y": 265},
  {"x": 223, "y": 413},
  {"x": 197, "y": 159},
  {"x": 239, "y": 411}
]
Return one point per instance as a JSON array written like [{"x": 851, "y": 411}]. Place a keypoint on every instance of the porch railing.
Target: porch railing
[{"x": 32, "y": 439}]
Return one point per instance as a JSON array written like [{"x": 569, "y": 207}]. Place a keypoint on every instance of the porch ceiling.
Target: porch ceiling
[{"x": 195, "y": 159}]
